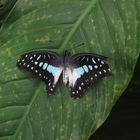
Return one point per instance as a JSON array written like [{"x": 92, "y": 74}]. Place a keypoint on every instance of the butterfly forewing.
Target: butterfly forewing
[
  {"x": 45, "y": 65},
  {"x": 86, "y": 69}
]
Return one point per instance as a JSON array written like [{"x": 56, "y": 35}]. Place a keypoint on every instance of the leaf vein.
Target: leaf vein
[
  {"x": 27, "y": 112},
  {"x": 77, "y": 24}
]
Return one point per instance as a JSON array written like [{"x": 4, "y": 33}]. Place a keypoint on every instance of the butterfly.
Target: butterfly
[{"x": 79, "y": 71}]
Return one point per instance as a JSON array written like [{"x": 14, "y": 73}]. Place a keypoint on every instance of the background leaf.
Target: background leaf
[
  {"x": 107, "y": 27},
  {"x": 5, "y": 8}
]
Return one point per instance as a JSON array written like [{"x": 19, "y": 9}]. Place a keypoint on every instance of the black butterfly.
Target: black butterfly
[{"x": 80, "y": 71}]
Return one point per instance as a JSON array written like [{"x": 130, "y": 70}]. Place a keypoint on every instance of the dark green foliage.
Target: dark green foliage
[{"x": 109, "y": 28}]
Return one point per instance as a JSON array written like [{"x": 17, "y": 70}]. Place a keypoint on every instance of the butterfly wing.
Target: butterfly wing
[
  {"x": 43, "y": 64},
  {"x": 86, "y": 69}
]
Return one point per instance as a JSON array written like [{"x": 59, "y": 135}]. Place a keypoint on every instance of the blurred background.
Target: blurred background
[{"x": 123, "y": 122}]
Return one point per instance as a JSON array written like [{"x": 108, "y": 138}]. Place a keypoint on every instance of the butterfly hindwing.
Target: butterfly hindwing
[
  {"x": 45, "y": 65},
  {"x": 86, "y": 69}
]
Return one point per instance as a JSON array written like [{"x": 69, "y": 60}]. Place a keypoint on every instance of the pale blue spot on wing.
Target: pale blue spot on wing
[
  {"x": 38, "y": 57},
  {"x": 45, "y": 66},
  {"x": 40, "y": 64},
  {"x": 52, "y": 69},
  {"x": 93, "y": 61},
  {"x": 36, "y": 63},
  {"x": 85, "y": 68},
  {"x": 95, "y": 66},
  {"x": 77, "y": 73},
  {"x": 90, "y": 67},
  {"x": 80, "y": 71}
]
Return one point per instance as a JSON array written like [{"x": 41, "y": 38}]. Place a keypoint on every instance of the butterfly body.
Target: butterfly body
[{"x": 79, "y": 71}]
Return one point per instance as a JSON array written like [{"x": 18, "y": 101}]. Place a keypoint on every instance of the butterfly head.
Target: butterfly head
[{"x": 67, "y": 53}]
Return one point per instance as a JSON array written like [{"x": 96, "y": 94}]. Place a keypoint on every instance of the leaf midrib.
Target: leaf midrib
[
  {"x": 27, "y": 111},
  {"x": 77, "y": 24}
]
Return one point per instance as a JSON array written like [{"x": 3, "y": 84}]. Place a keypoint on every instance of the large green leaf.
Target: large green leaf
[{"x": 107, "y": 27}]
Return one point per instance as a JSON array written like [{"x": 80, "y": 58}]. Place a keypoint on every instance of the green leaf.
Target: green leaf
[
  {"x": 5, "y": 8},
  {"x": 110, "y": 28}
]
